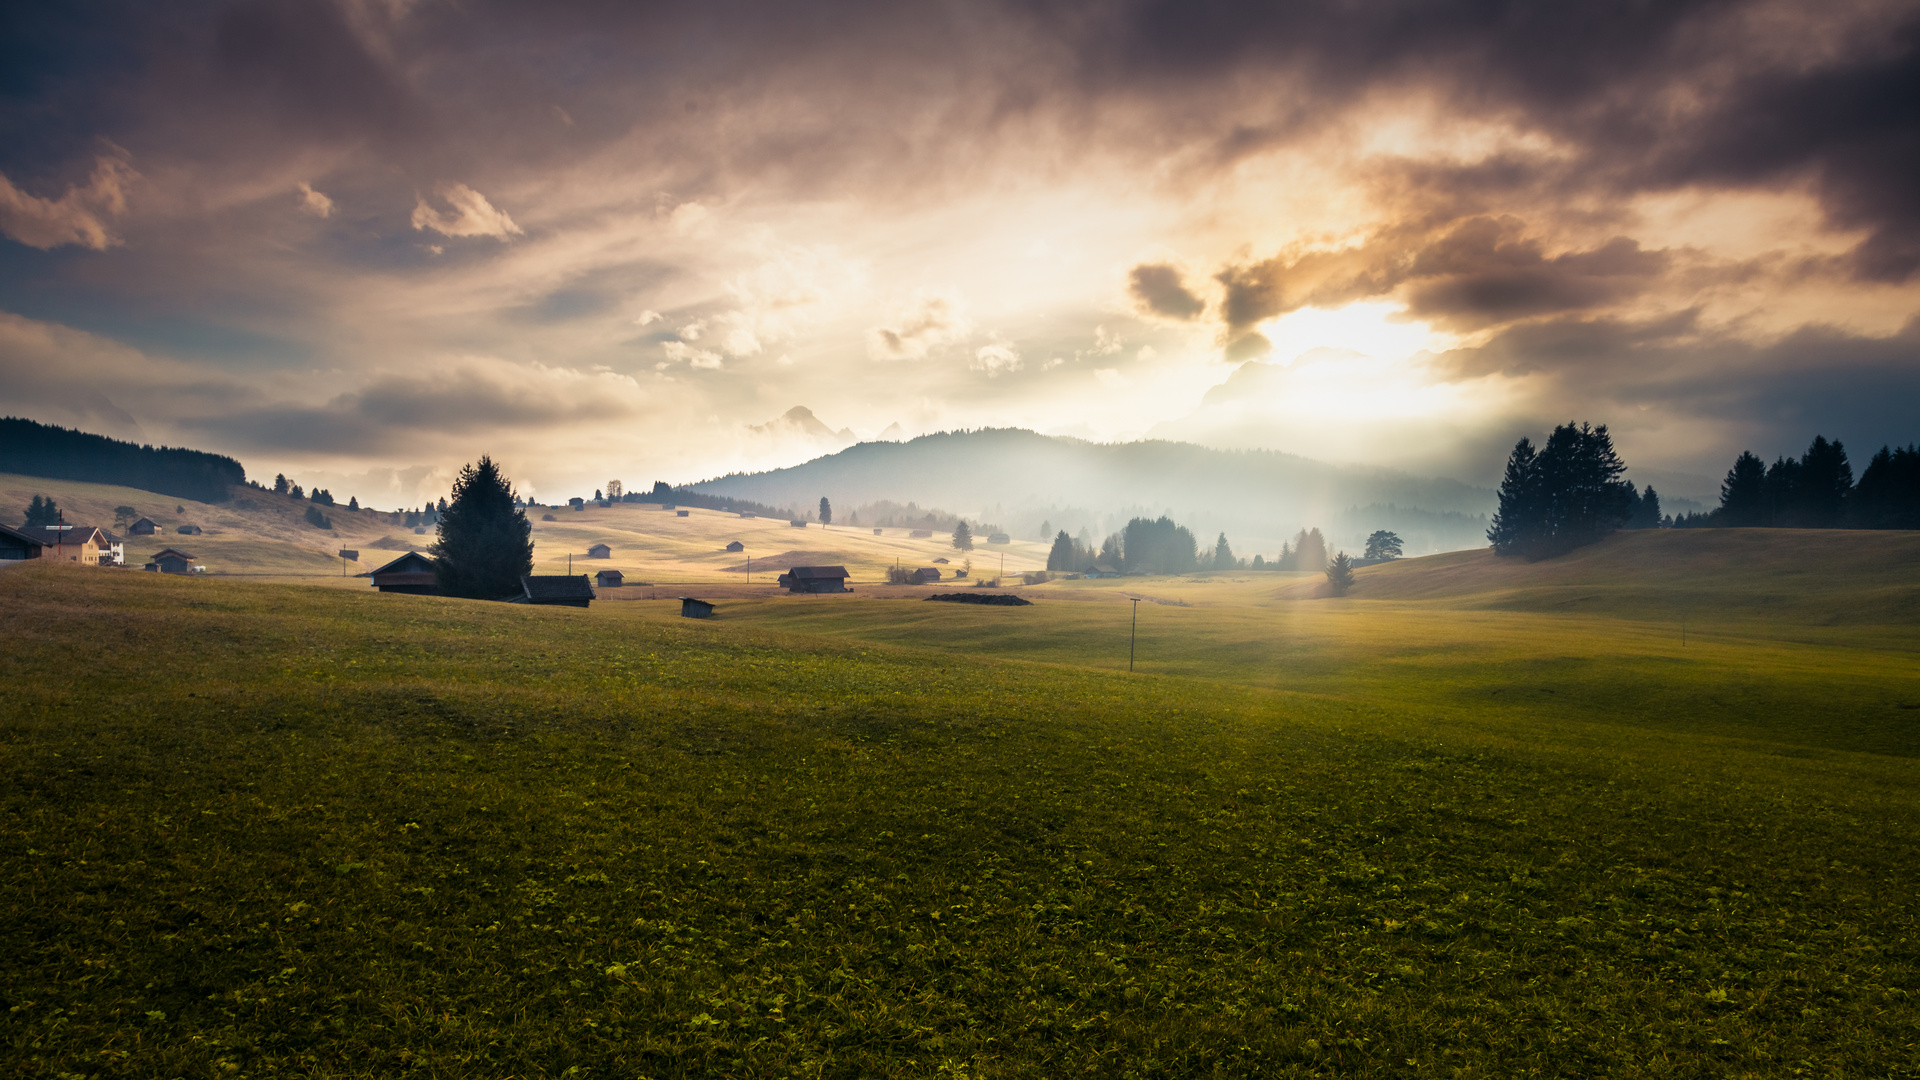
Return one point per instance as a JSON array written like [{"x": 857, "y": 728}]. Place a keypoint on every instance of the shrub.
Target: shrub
[{"x": 903, "y": 575}]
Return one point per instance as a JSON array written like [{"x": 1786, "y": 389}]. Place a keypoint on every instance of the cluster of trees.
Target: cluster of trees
[
  {"x": 1145, "y": 546},
  {"x": 320, "y": 496},
  {"x": 317, "y": 519},
  {"x": 1817, "y": 491},
  {"x": 1307, "y": 551},
  {"x": 426, "y": 515},
  {"x": 34, "y": 449},
  {"x": 1564, "y": 495},
  {"x": 44, "y": 511}
]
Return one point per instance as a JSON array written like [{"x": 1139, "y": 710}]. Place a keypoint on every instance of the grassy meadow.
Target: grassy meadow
[{"x": 1649, "y": 810}]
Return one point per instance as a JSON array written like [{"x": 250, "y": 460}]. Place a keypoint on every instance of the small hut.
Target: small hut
[
  {"x": 695, "y": 609},
  {"x": 797, "y": 523},
  {"x": 921, "y": 534},
  {"x": 350, "y": 554},
  {"x": 876, "y": 532},
  {"x": 999, "y": 538},
  {"x": 680, "y": 513},
  {"x": 144, "y": 527},
  {"x": 609, "y": 579},
  {"x": 554, "y": 590},
  {"x": 411, "y": 573},
  {"x": 188, "y": 530},
  {"x": 600, "y": 551},
  {"x": 172, "y": 561},
  {"x": 815, "y": 579},
  {"x": 926, "y": 574},
  {"x": 736, "y": 546}
]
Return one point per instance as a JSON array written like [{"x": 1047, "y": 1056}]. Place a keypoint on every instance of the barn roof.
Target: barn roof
[
  {"x": 806, "y": 573},
  {"x": 171, "y": 552},
  {"x": 411, "y": 563},
  {"x": 70, "y": 535},
  {"x": 7, "y": 530},
  {"x": 557, "y": 587}
]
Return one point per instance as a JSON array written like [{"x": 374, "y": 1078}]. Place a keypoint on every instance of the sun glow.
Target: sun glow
[{"x": 1378, "y": 330}]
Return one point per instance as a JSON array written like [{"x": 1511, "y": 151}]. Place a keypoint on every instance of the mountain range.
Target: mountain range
[{"x": 1020, "y": 480}]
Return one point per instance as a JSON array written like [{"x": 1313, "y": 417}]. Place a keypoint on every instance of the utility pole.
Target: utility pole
[{"x": 1134, "y": 633}]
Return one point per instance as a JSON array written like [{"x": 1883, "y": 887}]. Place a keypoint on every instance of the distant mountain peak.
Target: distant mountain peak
[{"x": 800, "y": 420}]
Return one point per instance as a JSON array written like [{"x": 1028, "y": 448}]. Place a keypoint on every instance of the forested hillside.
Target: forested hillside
[{"x": 29, "y": 448}]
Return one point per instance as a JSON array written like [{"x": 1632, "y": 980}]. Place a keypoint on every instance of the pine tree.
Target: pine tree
[
  {"x": 1340, "y": 573},
  {"x": 1309, "y": 551},
  {"x": 1063, "y": 555},
  {"x": 962, "y": 537},
  {"x": 1888, "y": 495},
  {"x": 826, "y": 511},
  {"x": 1743, "y": 494},
  {"x": 280, "y": 486},
  {"x": 1826, "y": 479},
  {"x": 485, "y": 545},
  {"x": 1644, "y": 511},
  {"x": 1517, "y": 523},
  {"x": 1223, "y": 554},
  {"x": 353, "y": 503},
  {"x": 43, "y": 511}
]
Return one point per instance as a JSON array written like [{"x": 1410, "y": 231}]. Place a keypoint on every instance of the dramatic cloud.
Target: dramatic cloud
[{"x": 1432, "y": 223}]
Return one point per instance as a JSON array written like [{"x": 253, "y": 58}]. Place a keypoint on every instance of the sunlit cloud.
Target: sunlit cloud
[{"x": 472, "y": 215}]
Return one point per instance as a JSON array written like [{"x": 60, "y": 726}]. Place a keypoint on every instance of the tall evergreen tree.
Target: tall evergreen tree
[
  {"x": 1223, "y": 554},
  {"x": 1340, "y": 573},
  {"x": 1783, "y": 493},
  {"x": 1826, "y": 479},
  {"x": 963, "y": 536},
  {"x": 280, "y": 485},
  {"x": 1517, "y": 523},
  {"x": 1888, "y": 496},
  {"x": 1743, "y": 494},
  {"x": 1063, "y": 555},
  {"x": 1644, "y": 510},
  {"x": 826, "y": 511},
  {"x": 485, "y": 544}
]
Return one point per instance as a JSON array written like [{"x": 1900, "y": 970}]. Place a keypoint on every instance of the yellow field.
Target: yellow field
[{"x": 262, "y": 536}]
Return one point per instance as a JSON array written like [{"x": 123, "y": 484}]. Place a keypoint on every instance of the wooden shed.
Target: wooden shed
[
  {"x": 411, "y": 573},
  {"x": 16, "y": 545},
  {"x": 815, "y": 579},
  {"x": 600, "y": 551},
  {"x": 172, "y": 561},
  {"x": 695, "y": 609},
  {"x": 736, "y": 546},
  {"x": 609, "y": 579},
  {"x": 555, "y": 590},
  {"x": 144, "y": 527},
  {"x": 999, "y": 538}
]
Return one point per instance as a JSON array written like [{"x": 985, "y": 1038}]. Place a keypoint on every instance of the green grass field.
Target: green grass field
[{"x": 1475, "y": 819}]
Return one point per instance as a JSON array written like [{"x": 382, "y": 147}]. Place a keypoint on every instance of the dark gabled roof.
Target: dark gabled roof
[
  {"x": 808, "y": 573},
  {"x": 145, "y": 521},
  {"x": 71, "y": 535},
  {"x": 175, "y": 552},
  {"x": 557, "y": 587},
  {"x": 411, "y": 563},
  {"x": 25, "y": 538}
]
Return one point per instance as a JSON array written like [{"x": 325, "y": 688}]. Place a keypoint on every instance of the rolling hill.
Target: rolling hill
[{"x": 1018, "y": 479}]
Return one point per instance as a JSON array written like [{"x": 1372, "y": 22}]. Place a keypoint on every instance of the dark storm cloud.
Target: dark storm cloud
[
  {"x": 1161, "y": 290},
  {"x": 1481, "y": 272},
  {"x": 1816, "y": 380}
]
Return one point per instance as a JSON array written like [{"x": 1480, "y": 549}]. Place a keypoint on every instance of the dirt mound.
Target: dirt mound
[
  {"x": 993, "y": 599},
  {"x": 786, "y": 560}
]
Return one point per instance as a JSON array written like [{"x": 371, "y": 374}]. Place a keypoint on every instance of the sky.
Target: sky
[{"x": 363, "y": 242}]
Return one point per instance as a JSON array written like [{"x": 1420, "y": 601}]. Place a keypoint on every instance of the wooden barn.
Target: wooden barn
[
  {"x": 410, "y": 573},
  {"x": 999, "y": 538},
  {"x": 736, "y": 546},
  {"x": 600, "y": 551},
  {"x": 144, "y": 527},
  {"x": 610, "y": 579},
  {"x": 555, "y": 590},
  {"x": 815, "y": 579},
  {"x": 695, "y": 609},
  {"x": 171, "y": 561},
  {"x": 16, "y": 545}
]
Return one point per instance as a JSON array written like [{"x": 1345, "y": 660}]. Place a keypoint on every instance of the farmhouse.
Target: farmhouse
[
  {"x": 609, "y": 579},
  {"x": 144, "y": 527},
  {"x": 16, "y": 545},
  {"x": 695, "y": 609},
  {"x": 555, "y": 590},
  {"x": 410, "y": 573},
  {"x": 171, "y": 561},
  {"x": 815, "y": 579},
  {"x": 600, "y": 551},
  {"x": 736, "y": 546},
  {"x": 76, "y": 543}
]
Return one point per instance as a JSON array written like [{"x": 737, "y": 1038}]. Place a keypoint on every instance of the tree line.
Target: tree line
[
  {"x": 1817, "y": 491},
  {"x": 30, "y": 448}
]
